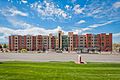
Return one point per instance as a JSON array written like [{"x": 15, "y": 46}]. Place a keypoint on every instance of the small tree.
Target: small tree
[
  {"x": 99, "y": 50},
  {"x": 23, "y": 50},
  {"x": 4, "y": 46},
  {"x": 0, "y": 46},
  {"x": 93, "y": 50},
  {"x": 44, "y": 49}
]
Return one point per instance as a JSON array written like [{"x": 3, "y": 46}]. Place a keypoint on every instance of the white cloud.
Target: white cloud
[
  {"x": 17, "y": 12},
  {"x": 98, "y": 25},
  {"x": 18, "y": 23},
  {"x": 24, "y": 1},
  {"x": 5, "y": 30},
  {"x": 95, "y": 12},
  {"x": 29, "y": 31},
  {"x": 116, "y": 35},
  {"x": 103, "y": 10},
  {"x": 93, "y": 26},
  {"x": 116, "y": 5},
  {"x": 3, "y": 39},
  {"x": 73, "y": 1},
  {"x": 77, "y": 9},
  {"x": 49, "y": 9},
  {"x": 12, "y": 12},
  {"x": 67, "y": 7},
  {"x": 81, "y": 21}
]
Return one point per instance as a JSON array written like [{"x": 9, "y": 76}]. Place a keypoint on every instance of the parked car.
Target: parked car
[{"x": 58, "y": 51}]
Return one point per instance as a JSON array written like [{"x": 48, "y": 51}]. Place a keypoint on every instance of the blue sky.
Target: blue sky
[{"x": 48, "y": 16}]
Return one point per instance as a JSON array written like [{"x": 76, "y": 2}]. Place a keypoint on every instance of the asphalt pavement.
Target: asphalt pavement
[{"x": 52, "y": 56}]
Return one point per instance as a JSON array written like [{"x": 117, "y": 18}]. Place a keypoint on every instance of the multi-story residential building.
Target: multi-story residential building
[
  {"x": 81, "y": 42},
  {"x": 70, "y": 42},
  {"x": 28, "y": 42},
  {"x": 45, "y": 42},
  {"x": 60, "y": 39},
  {"x": 33, "y": 43},
  {"x": 56, "y": 42},
  {"x": 53, "y": 42},
  {"x": 96, "y": 41},
  {"x": 64, "y": 42},
  {"x": 50, "y": 37},
  {"x": 39, "y": 42},
  {"x": 106, "y": 42},
  {"x": 22, "y": 40},
  {"x": 89, "y": 41},
  {"x": 75, "y": 41},
  {"x": 15, "y": 42}
]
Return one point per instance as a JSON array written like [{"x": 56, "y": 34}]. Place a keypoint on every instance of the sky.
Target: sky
[{"x": 34, "y": 17}]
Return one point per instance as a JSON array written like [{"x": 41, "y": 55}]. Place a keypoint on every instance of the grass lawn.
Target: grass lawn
[{"x": 58, "y": 71}]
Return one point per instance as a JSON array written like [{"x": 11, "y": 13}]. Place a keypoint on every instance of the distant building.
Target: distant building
[{"x": 70, "y": 42}]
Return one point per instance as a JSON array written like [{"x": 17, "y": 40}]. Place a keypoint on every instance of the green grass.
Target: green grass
[{"x": 59, "y": 71}]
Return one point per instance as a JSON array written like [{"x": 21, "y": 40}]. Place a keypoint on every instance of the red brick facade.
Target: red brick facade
[{"x": 102, "y": 42}]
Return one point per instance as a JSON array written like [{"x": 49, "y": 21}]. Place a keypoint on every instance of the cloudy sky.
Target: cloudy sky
[{"x": 48, "y": 16}]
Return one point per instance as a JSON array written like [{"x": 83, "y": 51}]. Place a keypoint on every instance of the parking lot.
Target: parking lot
[{"x": 52, "y": 56}]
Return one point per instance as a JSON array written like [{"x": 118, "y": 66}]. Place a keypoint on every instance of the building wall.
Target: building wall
[
  {"x": 53, "y": 42},
  {"x": 88, "y": 40},
  {"x": 33, "y": 43},
  {"x": 57, "y": 43},
  {"x": 64, "y": 42},
  {"x": 45, "y": 42},
  {"x": 60, "y": 39},
  {"x": 81, "y": 41},
  {"x": 71, "y": 41},
  {"x": 29, "y": 42},
  {"x": 70, "y": 37},
  {"x": 75, "y": 41},
  {"x": 96, "y": 41},
  {"x": 11, "y": 44},
  {"x": 50, "y": 36},
  {"x": 39, "y": 42},
  {"x": 106, "y": 42}
]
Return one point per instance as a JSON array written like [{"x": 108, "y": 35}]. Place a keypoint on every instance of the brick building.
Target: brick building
[
  {"x": 64, "y": 42},
  {"x": 39, "y": 44},
  {"x": 71, "y": 42}
]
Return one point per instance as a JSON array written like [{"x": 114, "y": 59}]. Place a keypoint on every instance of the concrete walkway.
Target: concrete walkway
[{"x": 45, "y": 57}]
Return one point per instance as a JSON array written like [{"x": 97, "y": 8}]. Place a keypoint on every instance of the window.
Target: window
[
  {"x": 102, "y": 44},
  {"x": 81, "y": 43},
  {"x": 95, "y": 43},
  {"x": 89, "y": 38},
  {"x": 102, "y": 38},
  {"x": 89, "y": 44}
]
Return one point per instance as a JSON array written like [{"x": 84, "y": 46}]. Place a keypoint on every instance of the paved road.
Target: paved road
[{"x": 44, "y": 57}]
